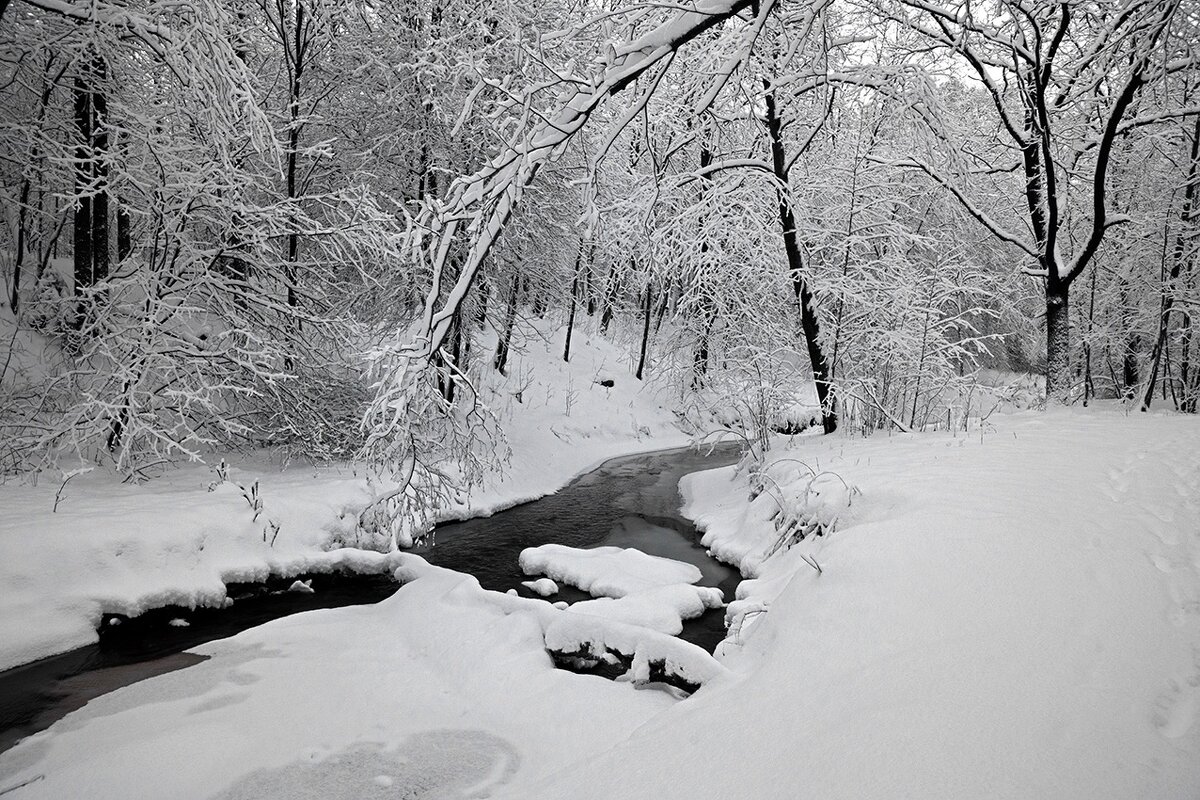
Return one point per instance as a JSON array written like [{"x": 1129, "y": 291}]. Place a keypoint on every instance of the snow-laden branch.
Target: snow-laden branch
[
  {"x": 980, "y": 216},
  {"x": 112, "y": 15},
  {"x": 486, "y": 200}
]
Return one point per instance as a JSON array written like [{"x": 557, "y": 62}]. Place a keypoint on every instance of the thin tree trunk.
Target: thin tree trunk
[
  {"x": 663, "y": 302},
  {"x": 610, "y": 296},
  {"x": 485, "y": 290},
  {"x": 1186, "y": 379},
  {"x": 645, "y": 331},
  {"x": 19, "y": 258},
  {"x": 510, "y": 319},
  {"x": 571, "y": 313},
  {"x": 91, "y": 173},
  {"x": 1180, "y": 256},
  {"x": 298, "y": 58}
]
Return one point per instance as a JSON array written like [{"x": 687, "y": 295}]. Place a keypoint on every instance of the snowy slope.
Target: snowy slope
[
  {"x": 1008, "y": 618},
  {"x": 1011, "y": 616}
]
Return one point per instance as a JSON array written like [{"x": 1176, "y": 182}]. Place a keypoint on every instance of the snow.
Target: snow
[
  {"x": 663, "y": 608},
  {"x": 325, "y": 704},
  {"x": 572, "y": 633},
  {"x": 179, "y": 539},
  {"x": 542, "y": 586},
  {"x": 1006, "y": 614},
  {"x": 607, "y": 571}
]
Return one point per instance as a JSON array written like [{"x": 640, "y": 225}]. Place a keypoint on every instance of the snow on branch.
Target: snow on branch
[{"x": 483, "y": 202}]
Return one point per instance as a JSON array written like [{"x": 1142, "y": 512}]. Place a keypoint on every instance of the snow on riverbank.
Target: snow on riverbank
[
  {"x": 442, "y": 690},
  {"x": 178, "y": 539},
  {"x": 1010, "y": 616}
]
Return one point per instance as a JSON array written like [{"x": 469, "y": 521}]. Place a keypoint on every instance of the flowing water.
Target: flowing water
[{"x": 631, "y": 501}]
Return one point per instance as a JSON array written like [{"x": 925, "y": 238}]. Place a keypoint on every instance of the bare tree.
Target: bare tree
[{"x": 1065, "y": 81}]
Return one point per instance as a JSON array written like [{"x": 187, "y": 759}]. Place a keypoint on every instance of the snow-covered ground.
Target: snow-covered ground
[
  {"x": 69, "y": 552},
  {"x": 1008, "y": 614}
]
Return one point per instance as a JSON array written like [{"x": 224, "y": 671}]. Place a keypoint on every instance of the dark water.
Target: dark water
[
  {"x": 35, "y": 695},
  {"x": 631, "y": 501}
]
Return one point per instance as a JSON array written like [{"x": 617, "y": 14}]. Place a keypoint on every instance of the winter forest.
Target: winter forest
[{"x": 875, "y": 317}]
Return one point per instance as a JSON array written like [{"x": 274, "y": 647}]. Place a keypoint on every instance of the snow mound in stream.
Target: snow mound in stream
[
  {"x": 606, "y": 571},
  {"x": 663, "y": 609}
]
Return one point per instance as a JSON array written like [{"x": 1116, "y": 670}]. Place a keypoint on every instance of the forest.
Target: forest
[
  {"x": 295, "y": 292},
  {"x": 282, "y": 223}
]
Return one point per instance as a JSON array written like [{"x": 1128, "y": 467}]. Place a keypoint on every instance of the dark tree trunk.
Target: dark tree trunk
[
  {"x": 1187, "y": 379},
  {"x": 1058, "y": 342},
  {"x": 297, "y": 58},
  {"x": 571, "y": 313},
  {"x": 648, "y": 312},
  {"x": 91, "y": 173},
  {"x": 1129, "y": 367},
  {"x": 809, "y": 322},
  {"x": 701, "y": 357},
  {"x": 124, "y": 233},
  {"x": 589, "y": 283},
  {"x": 19, "y": 258},
  {"x": 510, "y": 319},
  {"x": 48, "y": 86},
  {"x": 663, "y": 303},
  {"x": 446, "y": 380},
  {"x": 1183, "y": 253},
  {"x": 485, "y": 290},
  {"x": 610, "y": 297}
]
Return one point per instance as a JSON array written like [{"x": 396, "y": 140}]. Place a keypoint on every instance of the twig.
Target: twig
[
  {"x": 20, "y": 785},
  {"x": 66, "y": 477}
]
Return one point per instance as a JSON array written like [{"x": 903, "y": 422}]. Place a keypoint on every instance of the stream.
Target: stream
[{"x": 630, "y": 501}]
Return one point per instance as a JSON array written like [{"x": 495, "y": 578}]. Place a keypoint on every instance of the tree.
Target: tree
[{"x": 1065, "y": 81}]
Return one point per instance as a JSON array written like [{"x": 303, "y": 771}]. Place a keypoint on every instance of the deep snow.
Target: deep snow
[{"x": 1011, "y": 614}]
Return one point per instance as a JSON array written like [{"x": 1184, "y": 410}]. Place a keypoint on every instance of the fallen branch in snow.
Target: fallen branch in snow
[{"x": 34, "y": 779}]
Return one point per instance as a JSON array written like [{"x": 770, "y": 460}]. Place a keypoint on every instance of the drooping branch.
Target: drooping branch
[{"x": 486, "y": 200}]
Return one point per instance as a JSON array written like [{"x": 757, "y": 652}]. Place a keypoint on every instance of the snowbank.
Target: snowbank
[
  {"x": 606, "y": 571},
  {"x": 662, "y": 609},
  {"x": 442, "y": 690},
  {"x": 1008, "y": 615},
  {"x": 597, "y": 636},
  {"x": 1011, "y": 615}
]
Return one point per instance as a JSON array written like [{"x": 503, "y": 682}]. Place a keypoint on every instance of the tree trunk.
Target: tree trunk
[
  {"x": 589, "y": 289},
  {"x": 809, "y": 322},
  {"x": 701, "y": 358},
  {"x": 91, "y": 212},
  {"x": 298, "y": 58},
  {"x": 1182, "y": 254},
  {"x": 610, "y": 296},
  {"x": 1129, "y": 366},
  {"x": 1058, "y": 343},
  {"x": 485, "y": 290},
  {"x": 510, "y": 318},
  {"x": 124, "y": 233},
  {"x": 19, "y": 258},
  {"x": 645, "y": 332},
  {"x": 571, "y": 313},
  {"x": 1187, "y": 380}
]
